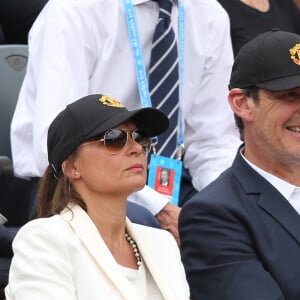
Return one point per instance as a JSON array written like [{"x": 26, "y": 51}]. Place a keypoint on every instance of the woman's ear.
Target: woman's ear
[
  {"x": 70, "y": 170},
  {"x": 239, "y": 103}
]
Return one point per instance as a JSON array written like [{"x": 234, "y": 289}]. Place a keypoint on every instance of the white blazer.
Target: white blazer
[{"x": 64, "y": 258}]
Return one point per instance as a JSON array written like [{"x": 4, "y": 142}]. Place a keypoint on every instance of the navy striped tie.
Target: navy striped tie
[{"x": 164, "y": 77}]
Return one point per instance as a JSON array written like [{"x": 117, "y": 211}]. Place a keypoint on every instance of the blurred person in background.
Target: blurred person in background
[
  {"x": 249, "y": 18},
  {"x": 17, "y": 17}
]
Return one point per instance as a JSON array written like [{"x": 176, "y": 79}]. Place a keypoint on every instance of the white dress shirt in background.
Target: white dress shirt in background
[{"x": 82, "y": 47}]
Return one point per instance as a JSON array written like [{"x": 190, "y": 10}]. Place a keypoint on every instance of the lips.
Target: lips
[{"x": 136, "y": 167}]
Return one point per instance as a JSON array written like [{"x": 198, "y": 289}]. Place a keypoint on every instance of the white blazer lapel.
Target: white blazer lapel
[
  {"x": 160, "y": 262},
  {"x": 86, "y": 230}
]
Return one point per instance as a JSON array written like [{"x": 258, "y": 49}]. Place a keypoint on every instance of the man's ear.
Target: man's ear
[
  {"x": 70, "y": 169},
  {"x": 239, "y": 103}
]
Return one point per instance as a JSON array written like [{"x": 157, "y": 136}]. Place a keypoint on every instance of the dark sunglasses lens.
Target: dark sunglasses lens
[
  {"x": 115, "y": 140},
  {"x": 142, "y": 138}
]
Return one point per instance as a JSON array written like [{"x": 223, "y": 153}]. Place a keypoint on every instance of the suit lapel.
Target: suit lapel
[
  {"x": 281, "y": 210},
  {"x": 270, "y": 199},
  {"x": 91, "y": 239},
  {"x": 148, "y": 248}
]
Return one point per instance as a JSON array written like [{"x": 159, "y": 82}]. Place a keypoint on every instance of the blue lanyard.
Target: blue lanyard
[{"x": 140, "y": 66}]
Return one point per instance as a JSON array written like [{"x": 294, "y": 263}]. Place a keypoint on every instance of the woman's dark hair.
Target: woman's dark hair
[
  {"x": 249, "y": 92},
  {"x": 55, "y": 193}
]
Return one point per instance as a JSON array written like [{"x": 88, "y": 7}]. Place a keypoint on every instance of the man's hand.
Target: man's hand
[{"x": 168, "y": 219}]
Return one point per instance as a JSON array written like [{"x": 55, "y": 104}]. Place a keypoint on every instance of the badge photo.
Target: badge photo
[{"x": 164, "y": 176}]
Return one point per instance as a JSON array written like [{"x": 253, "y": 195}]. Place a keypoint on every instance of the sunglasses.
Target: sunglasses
[{"x": 115, "y": 139}]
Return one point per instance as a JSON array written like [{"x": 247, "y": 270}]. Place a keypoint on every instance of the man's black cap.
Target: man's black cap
[
  {"x": 270, "y": 61},
  {"x": 91, "y": 116}
]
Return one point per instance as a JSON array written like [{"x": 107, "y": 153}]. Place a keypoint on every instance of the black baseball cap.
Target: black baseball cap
[
  {"x": 91, "y": 116},
  {"x": 270, "y": 61}
]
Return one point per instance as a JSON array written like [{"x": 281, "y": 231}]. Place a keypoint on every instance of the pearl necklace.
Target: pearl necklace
[{"x": 135, "y": 249}]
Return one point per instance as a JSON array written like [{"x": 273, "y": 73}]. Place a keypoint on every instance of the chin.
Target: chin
[
  {"x": 140, "y": 185},
  {"x": 135, "y": 183}
]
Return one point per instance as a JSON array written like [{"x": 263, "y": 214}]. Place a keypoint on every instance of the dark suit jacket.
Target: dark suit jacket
[
  {"x": 7, "y": 235},
  {"x": 240, "y": 239}
]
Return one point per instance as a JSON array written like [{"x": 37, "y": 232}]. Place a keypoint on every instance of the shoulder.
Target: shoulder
[
  {"x": 223, "y": 194},
  {"x": 210, "y": 20},
  {"x": 53, "y": 230},
  {"x": 208, "y": 7},
  {"x": 99, "y": 6},
  {"x": 48, "y": 224},
  {"x": 223, "y": 184},
  {"x": 59, "y": 16},
  {"x": 229, "y": 4}
]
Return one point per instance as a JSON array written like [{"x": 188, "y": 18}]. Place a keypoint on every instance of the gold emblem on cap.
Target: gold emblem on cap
[
  {"x": 295, "y": 54},
  {"x": 109, "y": 101}
]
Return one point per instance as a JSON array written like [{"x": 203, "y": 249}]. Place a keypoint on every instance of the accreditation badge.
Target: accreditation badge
[{"x": 165, "y": 176}]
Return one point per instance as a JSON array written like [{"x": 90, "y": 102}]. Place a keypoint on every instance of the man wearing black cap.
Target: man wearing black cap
[{"x": 240, "y": 236}]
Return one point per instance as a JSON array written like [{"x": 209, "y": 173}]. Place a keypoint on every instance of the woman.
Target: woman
[
  {"x": 249, "y": 18},
  {"x": 83, "y": 247}
]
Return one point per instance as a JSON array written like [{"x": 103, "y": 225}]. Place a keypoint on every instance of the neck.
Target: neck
[
  {"x": 107, "y": 210},
  {"x": 108, "y": 216},
  {"x": 261, "y": 5},
  {"x": 121, "y": 245},
  {"x": 108, "y": 213}
]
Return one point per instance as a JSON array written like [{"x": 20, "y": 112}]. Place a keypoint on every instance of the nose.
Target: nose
[{"x": 134, "y": 146}]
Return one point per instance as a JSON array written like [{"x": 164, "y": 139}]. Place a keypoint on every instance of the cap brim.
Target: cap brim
[
  {"x": 150, "y": 119},
  {"x": 281, "y": 84}
]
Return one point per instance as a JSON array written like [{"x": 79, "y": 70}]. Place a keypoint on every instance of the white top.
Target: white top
[
  {"x": 82, "y": 47},
  {"x": 143, "y": 283}
]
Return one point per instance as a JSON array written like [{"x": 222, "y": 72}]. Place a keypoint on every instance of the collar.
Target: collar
[
  {"x": 136, "y": 2},
  {"x": 285, "y": 188}
]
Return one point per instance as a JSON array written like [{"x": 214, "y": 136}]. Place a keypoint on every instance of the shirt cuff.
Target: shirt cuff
[{"x": 150, "y": 199}]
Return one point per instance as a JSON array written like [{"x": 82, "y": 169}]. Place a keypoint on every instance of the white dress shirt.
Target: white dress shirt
[
  {"x": 82, "y": 47},
  {"x": 290, "y": 192}
]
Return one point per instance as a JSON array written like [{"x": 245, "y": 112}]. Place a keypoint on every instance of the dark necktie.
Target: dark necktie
[{"x": 164, "y": 77}]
